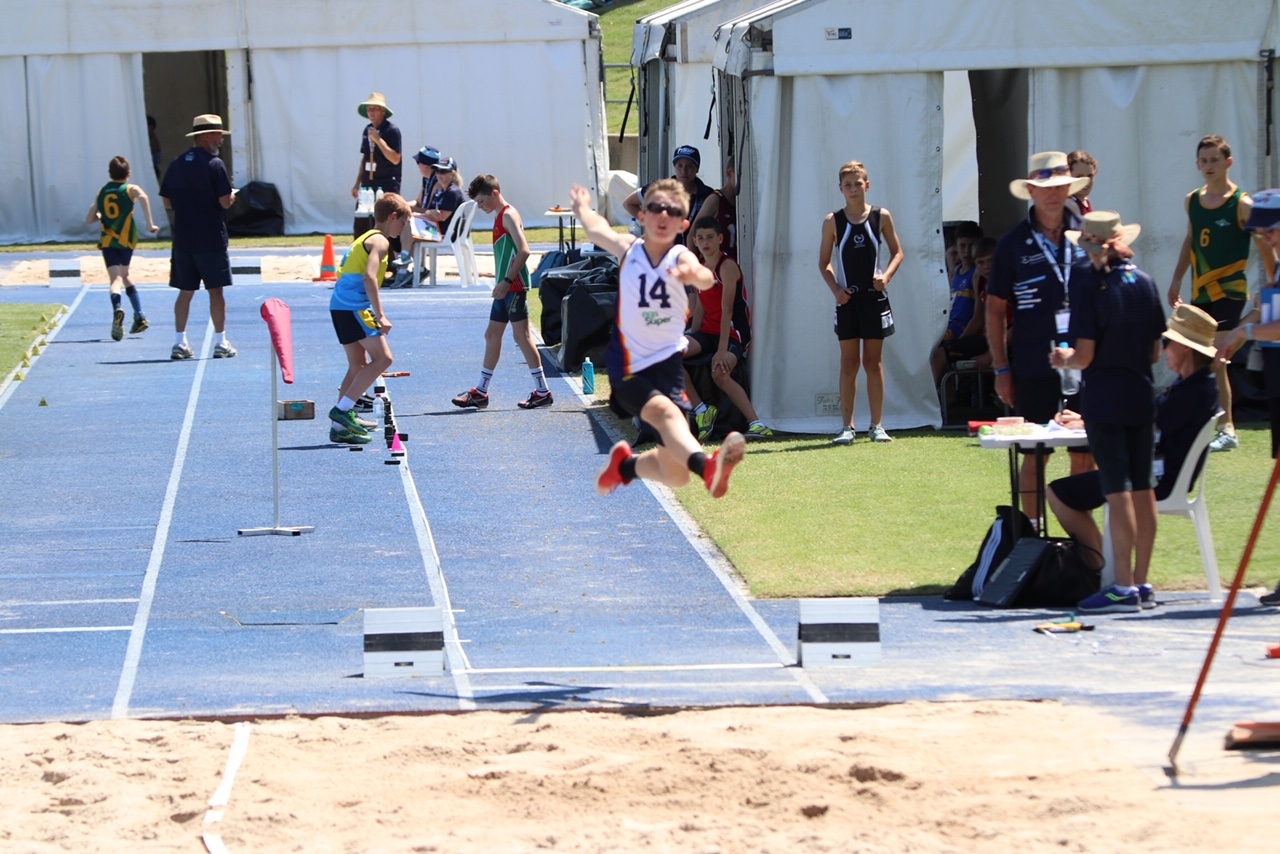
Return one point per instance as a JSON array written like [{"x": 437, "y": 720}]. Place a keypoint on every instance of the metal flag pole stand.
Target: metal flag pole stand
[{"x": 276, "y": 529}]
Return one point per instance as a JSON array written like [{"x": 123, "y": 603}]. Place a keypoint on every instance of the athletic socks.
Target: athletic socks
[
  {"x": 485, "y": 376},
  {"x": 700, "y": 408},
  {"x": 538, "y": 378},
  {"x": 115, "y": 301},
  {"x": 346, "y": 404},
  {"x": 754, "y": 423},
  {"x": 180, "y": 338},
  {"x": 134, "y": 300},
  {"x": 697, "y": 462},
  {"x": 627, "y": 468},
  {"x": 222, "y": 339}
]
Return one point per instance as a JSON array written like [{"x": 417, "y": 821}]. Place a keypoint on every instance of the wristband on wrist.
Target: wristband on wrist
[
  {"x": 1001, "y": 371},
  {"x": 1248, "y": 332}
]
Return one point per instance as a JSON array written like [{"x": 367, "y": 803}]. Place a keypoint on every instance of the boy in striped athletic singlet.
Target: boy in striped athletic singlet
[
  {"x": 1216, "y": 250},
  {"x": 645, "y": 356},
  {"x": 113, "y": 210}
]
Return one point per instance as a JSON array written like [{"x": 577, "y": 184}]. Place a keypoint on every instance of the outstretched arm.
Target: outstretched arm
[{"x": 596, "y": 226}]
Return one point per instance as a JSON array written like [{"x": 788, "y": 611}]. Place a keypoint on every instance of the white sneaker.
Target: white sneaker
[
  {"x": 845, "y": 437},
  {"x": 1224, "y": 441},
  {"x": 224, "y": 351},
  {"x": 181, "y": 352},
  {"x": 878, "y": 434}
]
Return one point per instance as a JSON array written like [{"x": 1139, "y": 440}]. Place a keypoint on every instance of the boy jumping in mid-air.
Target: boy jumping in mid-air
[
  {"x": 113, "y": 209},
  {"x": 645, "y": 354},
  {"x": 358, "y": 318},
  {"x": 510, "y": 252}
]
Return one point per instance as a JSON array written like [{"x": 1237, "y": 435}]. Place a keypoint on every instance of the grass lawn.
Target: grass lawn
[
  {"x": 21, "y": 324},
  {"x": 617, "y": 26}
]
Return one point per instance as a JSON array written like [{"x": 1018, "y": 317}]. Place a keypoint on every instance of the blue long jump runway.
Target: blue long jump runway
[{"x": 124, "y": 590}]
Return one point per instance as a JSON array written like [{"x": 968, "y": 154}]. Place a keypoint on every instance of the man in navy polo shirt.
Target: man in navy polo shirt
[
  {"x": 1031, "y": 272},
  {"x": 198, "y": 189}
]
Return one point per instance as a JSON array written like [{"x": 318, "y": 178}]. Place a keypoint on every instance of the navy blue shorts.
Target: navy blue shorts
[
  {"x": 116, "y": 256},
  {"x": 188, "y": 269},
  {"x": 1037, "y": 399},
  {"x": 1124, "y": 453},
  {"x": 514, "y": 306},
  {"x": 665, "y": 379},
  {"x": 708, "y": 344},
  {"x": 354, "y": 325}
]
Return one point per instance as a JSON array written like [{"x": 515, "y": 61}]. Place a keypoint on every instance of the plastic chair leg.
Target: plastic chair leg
[{"x": 1204, "y": 535}]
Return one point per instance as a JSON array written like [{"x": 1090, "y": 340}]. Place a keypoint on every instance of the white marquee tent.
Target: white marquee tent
[
  {"x": 809, "y": 84},
  {"x": 511, "y": 87}
]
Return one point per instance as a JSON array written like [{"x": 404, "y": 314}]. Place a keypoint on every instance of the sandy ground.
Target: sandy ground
[
  {"x": 275, "y": 268},
  {"x": 957, "y": 777}
]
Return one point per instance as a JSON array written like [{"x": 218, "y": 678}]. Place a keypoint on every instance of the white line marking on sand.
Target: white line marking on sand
[
  {"x": 7, "y": 385},
  {"x": 239, "y": 747},
  {"x": 459, "y": 666},
  {"x": 129, "y": 673}
]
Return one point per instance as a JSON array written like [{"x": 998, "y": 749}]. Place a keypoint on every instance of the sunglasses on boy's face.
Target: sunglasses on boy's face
[{"x": 672, "y": 211}]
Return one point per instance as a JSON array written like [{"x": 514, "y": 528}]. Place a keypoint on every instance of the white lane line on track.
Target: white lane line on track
[
  {"x": 18, "y": 603},
  {"x": 8, "y": 386},
  {"x": 459, "y": 666},
  {"x": 239, "y": 747},
  {"x": 129, "y": 672},
  {"x": 631, "y": 668},
  {"x": 66, "y": 629},
  {"x": 712, "y": 557}
]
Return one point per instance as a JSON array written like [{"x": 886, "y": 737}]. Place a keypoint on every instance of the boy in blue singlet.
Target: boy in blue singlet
[
  {"x": 510, "y": 257},
  {"x": 645, "y": 355},
  {"x": 113, "y": 210},
  {"x": 358, "y": 318}
]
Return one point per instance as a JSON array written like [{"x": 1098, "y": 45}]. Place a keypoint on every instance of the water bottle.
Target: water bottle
[
  {"x": 588, "y": 377},
  {"x": 635, "y": 228},
  {"x": 1070, "y": 378},
  {"x": 379, "y": 409}
]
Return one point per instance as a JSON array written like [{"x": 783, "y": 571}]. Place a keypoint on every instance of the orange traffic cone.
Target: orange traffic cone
[{"x": 328, "y": 269}]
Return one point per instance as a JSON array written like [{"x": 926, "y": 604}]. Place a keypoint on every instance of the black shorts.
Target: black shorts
[
  {"x": 354, "y": 325},
  {"x": 965, "y": 348},
  {"x": 1226, "y": 311},
  {"x": 865, "y": 315},
  {"x": 511, "y": 308},
  {"x": 1124, "y": 453},
  {"x": 116, "y": 256},
  {"x": 665, "y": 379},
  {"x": 708, "y": 344},
  {"x": 1037, "y": 400},
  {"x": 188, "y": 269}
]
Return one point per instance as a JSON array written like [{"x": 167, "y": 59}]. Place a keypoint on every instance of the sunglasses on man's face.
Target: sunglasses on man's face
[{"x": 672, "y": 211}]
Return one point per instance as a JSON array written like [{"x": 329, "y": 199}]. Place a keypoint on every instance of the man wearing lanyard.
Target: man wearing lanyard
[{"x": 1031, "y": 272}]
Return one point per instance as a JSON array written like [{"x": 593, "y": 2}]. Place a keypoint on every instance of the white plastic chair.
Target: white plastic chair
[
  {"x": 1186, "y": 499},
  {"x": 459, "y": 240}
]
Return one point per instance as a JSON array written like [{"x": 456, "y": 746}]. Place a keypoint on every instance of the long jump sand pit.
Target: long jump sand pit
[{"x": 918, "y": 777}]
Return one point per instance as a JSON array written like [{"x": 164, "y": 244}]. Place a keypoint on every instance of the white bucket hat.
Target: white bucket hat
[{"x": 1047, "y": 169}]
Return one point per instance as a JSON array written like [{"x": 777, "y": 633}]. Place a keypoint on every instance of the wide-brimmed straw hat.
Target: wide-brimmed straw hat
[
  {"x": 375, "y": 99},
  {"x": 1102, "y": 226},
  {"x": 1194, "y": 328},
  {"x": 207, "y": 123},
  {"x": 1046, "y": 169}
]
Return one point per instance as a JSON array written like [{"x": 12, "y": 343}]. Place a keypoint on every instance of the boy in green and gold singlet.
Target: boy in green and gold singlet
[
  {"x": 1216, "y": 250},
  {"x": 113, "y": 210}
]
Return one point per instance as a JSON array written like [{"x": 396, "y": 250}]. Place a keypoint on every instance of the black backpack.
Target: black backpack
[{"x": 1010, "y": 526}]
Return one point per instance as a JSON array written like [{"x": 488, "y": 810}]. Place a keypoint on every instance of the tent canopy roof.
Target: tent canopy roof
[
  {"x": 53, "y": 27},
  {"x": 934, "y": 35},
  {"x": 692, "y": 23}
]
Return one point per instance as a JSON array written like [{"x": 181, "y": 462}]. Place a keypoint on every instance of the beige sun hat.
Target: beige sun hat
[
  {"x": 375, "y": 99},
  {"x": 1102, "y": 226},
  {"x": 1192, "y": 327},
  {"x": 1046, "y": 169},
  {"x": 207, "y": 123}
]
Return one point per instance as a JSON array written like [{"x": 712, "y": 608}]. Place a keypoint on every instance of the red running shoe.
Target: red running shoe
[
  {"x": 470, "y": 398},
  {"x": 610, "y": 477},
  {"x": 721, "y": 463}
]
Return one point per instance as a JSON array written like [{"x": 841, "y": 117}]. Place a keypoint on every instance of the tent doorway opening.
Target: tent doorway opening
[{"x": 177, "y": 87}]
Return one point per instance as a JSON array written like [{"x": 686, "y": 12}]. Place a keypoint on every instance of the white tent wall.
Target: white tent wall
[
  {"x": 959, "y": 149},
  {"x": 802, "y": 130},
  {"x": 17, "y": 221},
  {"x": 690, "y": 103},
  {"x": 73, "y": 137},
  {"x": 511, "y": 87},
  {"x": 1142, "y": 124}
]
